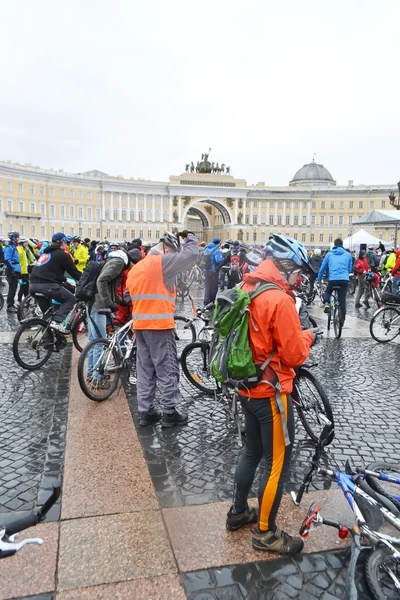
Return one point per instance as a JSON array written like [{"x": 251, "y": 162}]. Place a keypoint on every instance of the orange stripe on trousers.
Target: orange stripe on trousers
[{"x": 278, "y": 458}]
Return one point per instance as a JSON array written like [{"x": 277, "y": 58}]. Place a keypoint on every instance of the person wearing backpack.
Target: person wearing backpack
[
  {"x": 276, "y": 338},
  {"x": 212, "y": 259},
  {"x": 48, "y": 275},
  {"x": 105, "y": 297},
  {"x": 152, "y": 286}
]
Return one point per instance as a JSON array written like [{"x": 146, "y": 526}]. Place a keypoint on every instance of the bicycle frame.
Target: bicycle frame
[{"x": 115, "y": 342}]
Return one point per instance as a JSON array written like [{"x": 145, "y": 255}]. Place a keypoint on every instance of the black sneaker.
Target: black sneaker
[
  {"x": 357, "y": 305},
  {"x": 175, "y": 418},
  {"x": 327, "y": 308},
  {"x": 366, "y": 304},
  {"x": 277, "y": 541},
  {"x": 149, "y": 418},
  {"x": 12, "y": 309},
  {"x": 236, "y": 521}
]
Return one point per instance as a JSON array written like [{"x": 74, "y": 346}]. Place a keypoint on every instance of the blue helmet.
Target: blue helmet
[
  {"x": 285, "y": 248},
  {"x": 68, "y": 238}
]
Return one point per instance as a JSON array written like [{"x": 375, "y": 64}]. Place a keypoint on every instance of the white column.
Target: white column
[
  {"x": 120, "y": 206},
  {"x": 235, "y": 216},
  {"x": 309, "y": 212},
  {"x": 251, "y": 211},
  {"x": 300, "y": 213},
  {"x": 170, "y": 211},
  {"x": 111, "y": 206},
  {"x": 276, "y": 213},
  {"x": 292, "y": 214},
  {"x": 268, "y": 211},
  {"x": 137, "y": 208},
  {"x": 153, "y": 208},
  {"x": 179, "y": 209},
  {"x": 284, "y": 213},
  {"x": 103, "y": 205},
  {"x": 145, "y": 208},
  {"x": 128, "y": 207}
]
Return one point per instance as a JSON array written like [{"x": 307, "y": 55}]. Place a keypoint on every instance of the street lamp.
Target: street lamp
[{"x": 395, "y": 202}]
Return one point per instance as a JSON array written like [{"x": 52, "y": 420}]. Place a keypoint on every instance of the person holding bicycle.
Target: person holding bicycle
[
  {"x": 361, "y": 267},
  {"x": 338, "y": 264},
  {"x": 151, "y": 284},
  {"x": 275, "y": 333}
]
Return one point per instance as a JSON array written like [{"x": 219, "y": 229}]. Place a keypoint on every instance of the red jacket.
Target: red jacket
[
  {"x": 361, "y": 266},
  {"x": 395, "y": 270},
  {"x": 275, "y": 324},
  {"x": 123, "y": 314}
]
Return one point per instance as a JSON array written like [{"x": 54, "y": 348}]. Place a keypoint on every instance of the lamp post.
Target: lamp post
[
  {"x": 395, "y": 202},
  {"x": 351, "y": 227}
]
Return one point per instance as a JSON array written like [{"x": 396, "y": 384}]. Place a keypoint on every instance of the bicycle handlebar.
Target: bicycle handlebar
[{"x": 9, "y": 532}]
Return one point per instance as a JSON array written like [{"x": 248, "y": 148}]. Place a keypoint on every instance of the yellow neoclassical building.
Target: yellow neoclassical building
[{"x": 311, "y": 208}]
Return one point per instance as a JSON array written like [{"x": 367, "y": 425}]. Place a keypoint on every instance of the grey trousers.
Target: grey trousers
[
  {"x": 363, "y": 288},
  {"x": 157, "y": 363}
]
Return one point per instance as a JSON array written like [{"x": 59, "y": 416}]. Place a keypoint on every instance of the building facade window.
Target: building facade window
[
  {"x": 116, "y": 233},
  {"x": 303, "y": 237},
  {"x": 20, "y": 188},
  {"x": 340, "y": 219},
  {"x": 62, "y": 193},
  {"x": 33, "y": 208},
  {"x": 330, "y": 238},
  {"x": 115, "y": 214},
  {"x": 263, "y": 221},
  {"x": 71, "y": 194},
  {"x": 80, "y": 195},
  {"x": 9, "y": 186},
  {"x": 89, "y": 232},
  {"x": 62, "y": 211},
  {"x": 321, "y": 237},
  {"x": 313, "y": 204},
  {"x": 41, "y": 190},
  {"x": 123, "y": 214},
  {"x": 98, "y": 233},
  {"x": 157, "y": 234},
  {"x": 21, "y": 206},
  {"x": 149, "y": 234},
  {"x": 341, "y": 204},
  {"x": 98, "y": 215},
  {"x": 287, "y": 219},
  {"x": 279, "y": 219},
  {"x": 51, "y": 192},
  {"x": 165, "y": 215},
  {"x": 295, "y": 236},
  {"x": 52, "y": 210},
  {"x": 140, "y": 215},
  {"x": 42, "y": 231},
  {"x": 304, "y": 220},
  {"x": 89, "y": 195},
  {"x": 71, "y": 211},
  {"x": 313, "y": 219},
  {"x": 141, "y": 235},
  {"x": 330, "y": 219},
  {"x": 322, "y": 204},
  {"x": 296, "y": 219},
  {"x": 133, "y": 234},
  {"x": 132, "y": 215},
  {"x": 42, "y": 209},
  {"x": 351, "y": 204},
  {"x": 332, "y": 204},
  {"x": 32, "y": 189},
  {"x": 322, "y": 220},
  {"x": 108, "y": 233},
  {"x": 148, "y": 214},
  {"x": 157, "y": 216},
  {"x": 89, "y": 213},
  {"x": 350, "y": 221},
  {"x": 33, "y": 230},
  {"x": 107, "y": 214},
  {"x": 97, "y": 196},
  {"x": 247, "y": 219},
  {"x": 311, "y": 237},
  {"x": 125, "y": 234},
  {"x": 360, "y": 204},
  {"x": 80, "y": 212},
  {"x": 383, "y": 203},
  {"x": 9, "y": 204},
  {"x": 271, "y": 219}
]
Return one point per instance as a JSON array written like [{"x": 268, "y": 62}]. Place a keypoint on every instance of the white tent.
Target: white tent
[{"x": 362, "y": 237}]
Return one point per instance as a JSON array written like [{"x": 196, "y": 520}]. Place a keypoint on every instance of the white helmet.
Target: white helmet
[{"x": 317, "y": 252}]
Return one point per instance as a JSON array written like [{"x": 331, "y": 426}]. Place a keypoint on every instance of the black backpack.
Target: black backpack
[{"x": 87, "y": 285}]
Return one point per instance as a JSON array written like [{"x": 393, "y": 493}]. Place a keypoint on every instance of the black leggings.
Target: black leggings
[
  {"x": 23, "y": 287},
  {"x": 264, "y": 438}
]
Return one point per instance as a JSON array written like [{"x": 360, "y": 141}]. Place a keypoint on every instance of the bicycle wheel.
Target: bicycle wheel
[
  {"x": 195, "y": 366},
  {"x": 99, "y": 369},
  {"x": 385, "y": 324},
  {"x": 381, "y": 570},
  {"x": 352, "y": 286},
  {"x": 337, "y": 321},
  {"x": 1, "y": 301},
  {"x": 376, "y": 297},
  {"x": 33, "y": 344},
  {"x": 28, "y": 309},
  {"x": 312, "y": 405},
  {"x": 386, "y": 488},
  {"x": 329, "y": 319},
  {"x": 80, "y": 334},
  {"x": 183, "y": 335}
]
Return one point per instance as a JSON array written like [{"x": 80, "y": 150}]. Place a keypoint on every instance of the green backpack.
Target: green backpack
[{"x": 231, "y": 358}]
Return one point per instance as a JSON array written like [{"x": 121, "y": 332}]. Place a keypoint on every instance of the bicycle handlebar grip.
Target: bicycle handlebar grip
[{"x": 21, "y": 524}]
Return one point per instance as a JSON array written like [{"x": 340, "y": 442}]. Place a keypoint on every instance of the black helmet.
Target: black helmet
[
  {"x": 13, "y": 235},
  {"x": 76, "y": 238}
]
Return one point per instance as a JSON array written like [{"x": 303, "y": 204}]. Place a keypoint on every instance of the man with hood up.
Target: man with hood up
[
  {"x": 212, "y": 259},
  {"x": 339, "y": 264}
]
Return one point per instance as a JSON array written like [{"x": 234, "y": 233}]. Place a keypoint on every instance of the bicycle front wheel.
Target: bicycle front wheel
[
  {"x": 80, "y": 334},
  {"x": 28, "y": 309},
  {"x": 337, "y": 321},
  {"x": 185, "y": 333},
  {"x": 385, "y": 324},
  {"x": 313, "y": 406},
  {"x": 389, "y": 489},
  {"x": 99, "y": 369},
  {"x": 381, "y": 571},
  {"x": 33, "y": 344},
  {"x": 195, "y": 361}
]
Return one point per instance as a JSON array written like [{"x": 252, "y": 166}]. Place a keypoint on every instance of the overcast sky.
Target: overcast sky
[{"x": 141, "y": 88}]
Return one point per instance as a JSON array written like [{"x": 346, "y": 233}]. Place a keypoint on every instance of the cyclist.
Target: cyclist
[
  {"x": 212, "y": 259},
  {"x": 80, "y": 253},
  {"x": 339, "y": 265},
  {"x": 361, "y": 267},
  {"x": 274, "y": 326},
  {"x": 396, "y": 274},
  {"x": 315, "y": 264},
  {"x": 151, "y": 284},
  {"x": 13, "y": 269},
  {"x": 48, "y": 276}
]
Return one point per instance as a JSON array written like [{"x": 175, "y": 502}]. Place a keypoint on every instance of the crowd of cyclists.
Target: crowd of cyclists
[{"x": 138, "y": 283}]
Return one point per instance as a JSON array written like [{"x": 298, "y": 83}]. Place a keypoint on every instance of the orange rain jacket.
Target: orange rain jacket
[
  {"x": 274, "y": 323},
  {"x": 153, "y": 305}
]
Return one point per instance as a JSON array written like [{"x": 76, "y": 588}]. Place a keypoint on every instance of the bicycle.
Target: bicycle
[
  {"x": 370, "y": 508},
  {"x": 308, "y": 396},
  {"x": 385, "y": 323},
  {"x": 335, "y": 313},
  {"x": 102, "y": 361},
  {"x": 35, "y": 340},
  {"x": 10, "y": 532}
]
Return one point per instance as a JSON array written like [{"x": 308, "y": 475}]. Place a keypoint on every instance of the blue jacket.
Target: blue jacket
[
  {"x": 338, "y": 263},
  {"x": 11, "y": 258},
  {"x": 216, "y": 255}
]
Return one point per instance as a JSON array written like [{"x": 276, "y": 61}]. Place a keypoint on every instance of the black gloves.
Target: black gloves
[
  {"x": 76, "y": 261},
  {"x": 113, "y": 307}
]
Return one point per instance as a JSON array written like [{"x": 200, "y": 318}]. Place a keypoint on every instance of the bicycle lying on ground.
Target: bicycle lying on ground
[
  {"x": 9, "y": 533},
  {"x": 372, "y": 505},
  {"x": 385, "y": 323}
]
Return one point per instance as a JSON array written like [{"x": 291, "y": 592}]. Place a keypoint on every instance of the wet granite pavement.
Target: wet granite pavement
[{"x": 33, "y": 423}]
